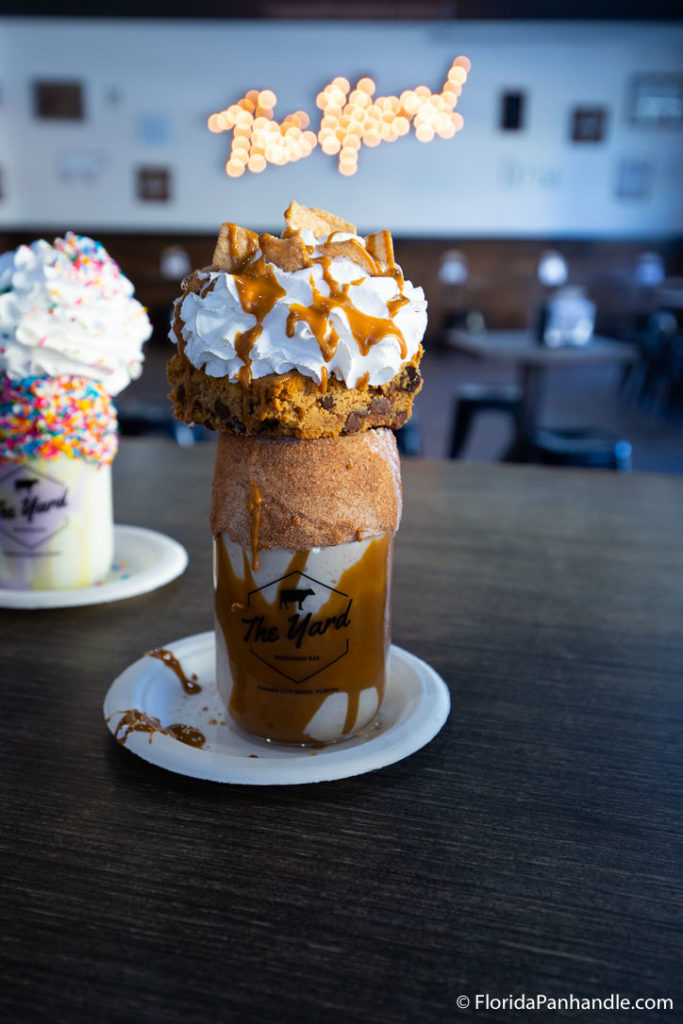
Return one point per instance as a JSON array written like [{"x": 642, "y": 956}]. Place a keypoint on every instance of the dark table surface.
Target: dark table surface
[
  {"x": 522, "y": 348},
  {"x": 533, "y": 848},
  {"x": 532, "y": 361}
]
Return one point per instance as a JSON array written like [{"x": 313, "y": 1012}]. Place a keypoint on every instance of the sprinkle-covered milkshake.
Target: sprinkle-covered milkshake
[
  {"x": 71, "y": 336},
  {"x": 302, "y": 350}
]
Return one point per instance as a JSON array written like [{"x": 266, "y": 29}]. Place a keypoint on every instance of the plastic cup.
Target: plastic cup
[
  {"x": 302, "y": 641},
  {"x": 56, "y": 523}
]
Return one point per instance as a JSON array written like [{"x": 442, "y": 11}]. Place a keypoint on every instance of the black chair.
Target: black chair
[
  {"x": 409, "y": 438},
  {"x": 475, "y": 398},
  {"x": 589, "y": 447},
  {"x": 142, "y": 418}
]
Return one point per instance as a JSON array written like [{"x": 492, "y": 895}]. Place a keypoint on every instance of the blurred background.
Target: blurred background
[{"x": 547, "y": 234}]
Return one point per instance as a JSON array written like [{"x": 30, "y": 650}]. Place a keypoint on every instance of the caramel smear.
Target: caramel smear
[
  {"x": 190, "y": 685},
  {"x": 134, "y": 720},
  {"x": 254, "y": 507},
  {"x": 349, "y": 637}
]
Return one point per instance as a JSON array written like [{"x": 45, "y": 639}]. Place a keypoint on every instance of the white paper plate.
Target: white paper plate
[
  {"x": 416, "y": 705},
  {"x": 143, "y": 561}
]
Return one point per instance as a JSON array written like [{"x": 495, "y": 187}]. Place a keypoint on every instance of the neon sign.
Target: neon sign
[{"x": 350, "y": 119}]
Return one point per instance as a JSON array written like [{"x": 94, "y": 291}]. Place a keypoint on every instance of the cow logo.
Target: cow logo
[
  {"x": 33, "y": 506},
  {"x": 297, "y": 625},
  {"x": 297, "y": 597}
]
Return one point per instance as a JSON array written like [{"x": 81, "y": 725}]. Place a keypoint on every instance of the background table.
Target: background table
[
  {"x": 531, "y": 360},
  {"x": 532, "y": 847}
]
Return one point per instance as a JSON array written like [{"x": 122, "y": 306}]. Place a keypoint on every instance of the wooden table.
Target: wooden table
[
  {"x": 532, "y": 847},
  {"x": 531, "y": 360}
]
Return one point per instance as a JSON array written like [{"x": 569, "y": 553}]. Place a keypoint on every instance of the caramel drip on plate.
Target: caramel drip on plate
[
  {"x": 254, "y": 507},
  {"x": 258, "y": 294},
  {"x": 286, "y": 662},
  {"x": 186, "y": 734},
  {"x": 134, "y": 720},
  {"x": 168, "y": 657}
]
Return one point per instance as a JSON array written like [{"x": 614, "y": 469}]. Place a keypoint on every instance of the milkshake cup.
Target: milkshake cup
[
  {"x": 303, "y": 351},
  {"x": 303, "y": 542},
  {"x": 57, "y": 440},
  {"x": 71, "y": 336}
]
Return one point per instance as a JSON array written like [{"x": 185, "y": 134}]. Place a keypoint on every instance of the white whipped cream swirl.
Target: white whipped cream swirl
[
  {"x": 212, "y": 322},
  {"x": 66, "y": 309}
]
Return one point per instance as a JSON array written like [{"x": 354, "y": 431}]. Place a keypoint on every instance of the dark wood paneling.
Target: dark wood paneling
[{"x": 502, "y": 282}]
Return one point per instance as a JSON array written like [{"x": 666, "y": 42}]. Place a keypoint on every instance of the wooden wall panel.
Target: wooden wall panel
[{"x": 501, "y": 284}]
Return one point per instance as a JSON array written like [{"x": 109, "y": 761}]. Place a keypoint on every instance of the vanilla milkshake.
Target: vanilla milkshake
[{"x": 71, "y": 336}]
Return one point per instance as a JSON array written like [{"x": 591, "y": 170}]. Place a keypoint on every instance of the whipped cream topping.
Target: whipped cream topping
[
  {"x": 66, "y": 309},
  {"x": 330, "y": 319}
]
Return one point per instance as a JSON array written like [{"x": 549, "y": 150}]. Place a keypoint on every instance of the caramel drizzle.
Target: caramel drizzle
[
  {"x": 190, "y": 685},
  {"x": 254, "y": 506},
  {"x": 134, "y": 720},
  {"x": 367, "y": 330},
  {"x": 253, "y": 704},
  {"x": 258, "y": 293},
  {"x": 377, "y": 267},
  {"x": 393, "y": 305},
  {"x": 324, "y": 377},
  {"x": 259, "y": 290}
]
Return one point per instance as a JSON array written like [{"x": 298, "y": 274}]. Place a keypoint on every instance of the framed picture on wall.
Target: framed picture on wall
[
  {"x": 153, "y": 184},
  {"x": 512, "y": 110},
  {"x": 588, "y": 124},
  {"x": 58, "y": 101},
  {"x": 656, "y": 100},
  {"x": 635, "y": 179}
]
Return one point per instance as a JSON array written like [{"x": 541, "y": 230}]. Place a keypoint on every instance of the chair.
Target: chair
[
  {"x": 475, "y": 398},
  {"x": 140, "y": 418},
  {"x": 589, "y": 447},
  {"x": 409, "y": 438}
]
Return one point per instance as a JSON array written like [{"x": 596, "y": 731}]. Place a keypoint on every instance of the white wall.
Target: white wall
[{"x": 481, "y": 183}]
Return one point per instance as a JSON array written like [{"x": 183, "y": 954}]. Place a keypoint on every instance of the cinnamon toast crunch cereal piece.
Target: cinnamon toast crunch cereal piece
[
  {"x": 234, "y": 247},
  {"x": 381, "y": 247},
  {"x": 353, "y": 251},
  {"x": 320, "y": 222},
  {"x": 193, "y": 282},
  {"x": 288, "y": 254}
]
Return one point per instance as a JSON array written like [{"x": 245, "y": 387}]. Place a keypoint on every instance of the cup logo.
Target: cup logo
[
  {"x": 281, "y": 631},
  {"x": 33, "y": 506}
]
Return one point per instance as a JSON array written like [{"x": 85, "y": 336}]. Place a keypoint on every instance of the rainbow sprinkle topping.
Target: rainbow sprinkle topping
[{"x": 45, "y": 417}]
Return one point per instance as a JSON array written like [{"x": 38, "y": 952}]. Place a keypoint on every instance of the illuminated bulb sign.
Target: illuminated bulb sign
[{"x": 350, "y": 118}]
